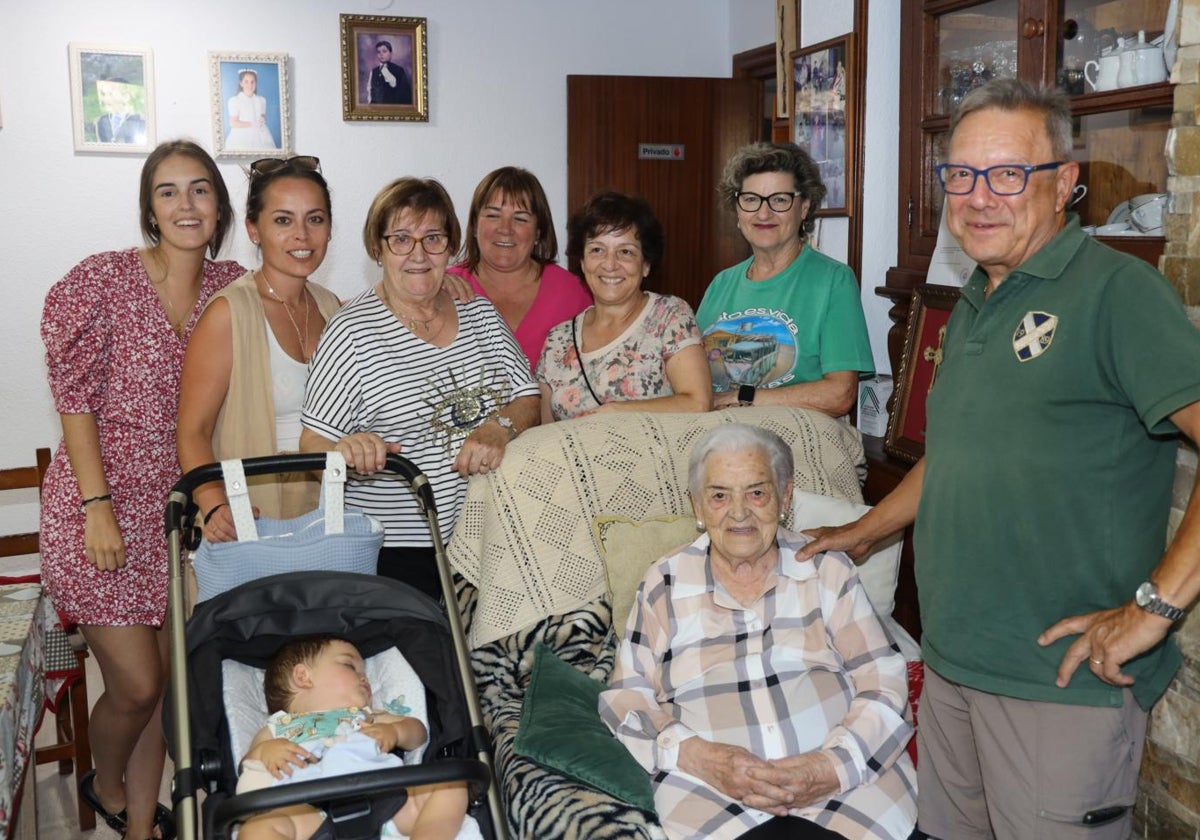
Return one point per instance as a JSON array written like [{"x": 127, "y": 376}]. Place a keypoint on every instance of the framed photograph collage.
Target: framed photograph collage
[{"x": 384, "y": 69}]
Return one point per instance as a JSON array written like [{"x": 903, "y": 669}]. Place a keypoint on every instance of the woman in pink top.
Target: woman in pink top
[{"x": 511, "y": 248}]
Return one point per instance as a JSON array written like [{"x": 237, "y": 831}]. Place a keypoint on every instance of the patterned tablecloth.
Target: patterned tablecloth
[{"x": 25, "y": 618}]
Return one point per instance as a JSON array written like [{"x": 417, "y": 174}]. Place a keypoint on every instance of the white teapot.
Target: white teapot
[{"x": 1141, "y": 64}]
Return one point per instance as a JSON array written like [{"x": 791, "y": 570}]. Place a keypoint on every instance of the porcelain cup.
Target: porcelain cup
[{"x": 1105, "y": 72}]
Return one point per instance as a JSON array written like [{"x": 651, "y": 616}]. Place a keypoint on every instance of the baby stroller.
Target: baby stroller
[{"x": 249, "y": 622}]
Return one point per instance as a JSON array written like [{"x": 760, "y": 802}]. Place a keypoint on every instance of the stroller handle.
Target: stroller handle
[{"x": 181, "y": 493}]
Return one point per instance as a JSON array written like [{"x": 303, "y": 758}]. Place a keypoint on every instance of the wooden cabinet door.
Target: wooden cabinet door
[{"x": 609, "y": 117}]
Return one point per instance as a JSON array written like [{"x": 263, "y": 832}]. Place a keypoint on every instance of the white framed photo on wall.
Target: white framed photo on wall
[
  {"x": 112, "y": 98},
  {"x": 250, "y": 102}
]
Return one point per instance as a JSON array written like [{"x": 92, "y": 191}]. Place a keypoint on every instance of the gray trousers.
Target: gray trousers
[{"x": 997, "y": 767}]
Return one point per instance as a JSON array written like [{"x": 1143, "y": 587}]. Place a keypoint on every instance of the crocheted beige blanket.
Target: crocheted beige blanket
[{"x": 524, "y": 536}]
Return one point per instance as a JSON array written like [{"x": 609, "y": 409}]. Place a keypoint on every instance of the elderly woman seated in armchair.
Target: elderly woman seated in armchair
[{"x": 760, "y": 691}]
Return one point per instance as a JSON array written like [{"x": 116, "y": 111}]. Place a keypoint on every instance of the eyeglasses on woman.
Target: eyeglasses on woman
[
  {"x": 780, "y": 202},
  {"x": 402, "y": 244}
]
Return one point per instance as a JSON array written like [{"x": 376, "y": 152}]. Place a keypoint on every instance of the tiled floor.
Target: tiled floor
[{"x": 57, "y": 816}]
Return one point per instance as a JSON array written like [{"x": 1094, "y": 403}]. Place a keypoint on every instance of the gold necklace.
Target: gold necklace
[
  {"x": 410, "y": 320},
  {"x": 176, "y": 323},
  {"x": 304, "y": 354}
]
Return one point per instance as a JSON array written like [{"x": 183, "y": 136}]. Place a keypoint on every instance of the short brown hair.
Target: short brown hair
[
  {"x": 614, "y": 212},
  {"x": 758, "y": 158},
  {"x": 521, "y": 187},
  {"x": 424, "y": 195},
  {"x": 187, "y": 149},
  {"x": 277, "y": 681}
]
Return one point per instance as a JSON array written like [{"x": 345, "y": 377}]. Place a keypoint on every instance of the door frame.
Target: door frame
[{"x": 759, "y": 63}]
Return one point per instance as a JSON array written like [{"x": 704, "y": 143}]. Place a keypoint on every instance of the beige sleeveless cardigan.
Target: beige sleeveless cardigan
[{"x": 246, "y": 424}]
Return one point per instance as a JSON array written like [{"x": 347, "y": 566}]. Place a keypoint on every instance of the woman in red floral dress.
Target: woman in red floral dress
[{"x": 115, "y": 329}]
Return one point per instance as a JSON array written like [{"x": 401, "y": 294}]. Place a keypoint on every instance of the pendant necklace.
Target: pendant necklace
[
  {"x": 176, "y": 323},
  {"x": 409, "y": 320},
  {"x": 303, "y": 337}
]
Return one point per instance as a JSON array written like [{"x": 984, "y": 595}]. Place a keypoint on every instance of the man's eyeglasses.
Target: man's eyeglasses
[
  {"x": 402, "y": 244},
  {"x": 780, "y": 202},
  {"x": 1005, "y": 179},
  {"x": 266, "y": 166}
]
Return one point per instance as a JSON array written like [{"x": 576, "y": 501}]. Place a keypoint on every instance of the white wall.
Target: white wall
[
  {"x": 751, "y": 24},
  {"x": 881, "y": 170},
  {"x": 824, "y": 19},
  {"x": 497, "y": 96}
]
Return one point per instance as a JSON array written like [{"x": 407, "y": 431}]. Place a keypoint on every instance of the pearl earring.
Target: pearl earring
[{"x": 699, "y": 524}]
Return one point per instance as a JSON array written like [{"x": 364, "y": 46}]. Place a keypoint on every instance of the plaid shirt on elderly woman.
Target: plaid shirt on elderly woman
[{"x": 806, "y": 667}]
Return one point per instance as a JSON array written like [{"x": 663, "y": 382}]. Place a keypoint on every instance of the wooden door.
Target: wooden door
[{"x": 608, "y": 117}]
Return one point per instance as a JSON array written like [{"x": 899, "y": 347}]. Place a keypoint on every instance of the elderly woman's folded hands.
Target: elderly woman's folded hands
[
  {"x": 724, "y": 766},
  {"x": 791, "y": 782},
  {"x": 772, "y": 786}
]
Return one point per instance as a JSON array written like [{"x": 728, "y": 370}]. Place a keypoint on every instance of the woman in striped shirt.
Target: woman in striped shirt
[{"x": 406, "y": 368}]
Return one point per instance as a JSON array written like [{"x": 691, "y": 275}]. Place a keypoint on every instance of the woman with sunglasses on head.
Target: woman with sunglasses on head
[
  {"x": 406, "y": 368},
  {"x": 115, "y": 330},
  {"x": 786, "y": 326},
  {"x": 246, "y": 366}
]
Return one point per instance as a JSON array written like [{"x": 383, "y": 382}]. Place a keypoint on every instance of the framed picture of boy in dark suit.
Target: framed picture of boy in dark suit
[
  {"x": 112, "y": 98},
  {"x": 384, "y": 68}
]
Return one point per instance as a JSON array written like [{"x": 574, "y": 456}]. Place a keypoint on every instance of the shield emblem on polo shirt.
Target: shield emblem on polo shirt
[{"x": 1034, "y": 335}]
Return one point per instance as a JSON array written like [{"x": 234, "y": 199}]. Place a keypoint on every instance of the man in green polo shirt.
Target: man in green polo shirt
[{"x": 1041, "y": 504}]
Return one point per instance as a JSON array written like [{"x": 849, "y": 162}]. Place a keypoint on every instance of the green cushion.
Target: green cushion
[{"x": 561, "y": 730}]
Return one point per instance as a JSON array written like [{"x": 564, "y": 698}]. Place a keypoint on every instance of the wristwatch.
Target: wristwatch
[
  {"x": 746, "y": 394},
  {"x": 1147, "y": 598},
  {"x": 507, "y": 424}
]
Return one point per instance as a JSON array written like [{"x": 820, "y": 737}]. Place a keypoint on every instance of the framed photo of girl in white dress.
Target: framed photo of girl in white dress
[{"x": 251, "y": 110}]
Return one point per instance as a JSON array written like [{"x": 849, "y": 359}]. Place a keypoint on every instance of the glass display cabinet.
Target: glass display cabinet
[{"x": 1107, "y": 54}]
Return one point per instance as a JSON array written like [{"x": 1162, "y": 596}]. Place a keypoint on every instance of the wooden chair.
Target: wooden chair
[{"x": 73, "y": 748}]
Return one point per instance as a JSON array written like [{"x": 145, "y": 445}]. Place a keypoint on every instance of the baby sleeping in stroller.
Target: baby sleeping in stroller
[{"x": 323, "y": 724}]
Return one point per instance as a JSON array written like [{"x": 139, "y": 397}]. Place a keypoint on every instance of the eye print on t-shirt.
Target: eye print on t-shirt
[
  {"x": 460, "y": 408},
  {"x": 754, "y": 347}
]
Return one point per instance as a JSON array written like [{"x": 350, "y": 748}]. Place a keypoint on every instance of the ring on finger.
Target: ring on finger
[{"x": 1097, "y": 661}]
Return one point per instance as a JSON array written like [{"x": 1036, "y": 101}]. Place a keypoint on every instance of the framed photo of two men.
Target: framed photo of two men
[{"x": 384, "y": 68}]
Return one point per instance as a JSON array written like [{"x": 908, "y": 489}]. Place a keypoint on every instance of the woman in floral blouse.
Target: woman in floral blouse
[{"x": 632, "y": 350}]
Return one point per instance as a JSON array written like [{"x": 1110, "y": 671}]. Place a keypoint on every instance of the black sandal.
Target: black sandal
[
  {"x": 87, "y": 792},
  {"x": 164, "y": 821}
]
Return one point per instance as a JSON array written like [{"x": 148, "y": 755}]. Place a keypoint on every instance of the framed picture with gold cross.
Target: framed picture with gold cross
[{"x": 927, "y": 318}]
